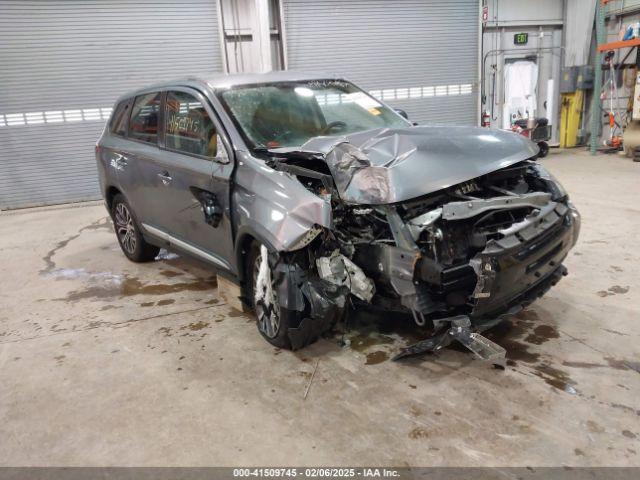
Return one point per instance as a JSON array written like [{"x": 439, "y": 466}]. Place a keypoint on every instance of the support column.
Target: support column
[
  {"x": 262, "y": 34},
  {"x": 596, "y": 111}
]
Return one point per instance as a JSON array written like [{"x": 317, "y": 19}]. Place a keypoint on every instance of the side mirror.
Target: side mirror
[{"x": 402, "y": 113}]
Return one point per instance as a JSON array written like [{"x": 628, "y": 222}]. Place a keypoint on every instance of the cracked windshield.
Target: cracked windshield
[{"x": 289, "y": 114}]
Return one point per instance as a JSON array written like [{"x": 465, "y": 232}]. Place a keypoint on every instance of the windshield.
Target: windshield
[{"x": 287, "y": 114}]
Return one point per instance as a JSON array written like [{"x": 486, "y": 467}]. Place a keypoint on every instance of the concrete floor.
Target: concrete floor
[{"x": 105, "y": 362}]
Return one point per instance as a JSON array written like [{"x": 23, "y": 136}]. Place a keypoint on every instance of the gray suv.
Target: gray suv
[{"x": 316, "y": 198}]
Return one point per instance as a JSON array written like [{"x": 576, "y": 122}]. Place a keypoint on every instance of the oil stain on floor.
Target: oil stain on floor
[
  {"x": 509, "y": 333},
  {"x": 613, "y": 290},
  {"x": 196, "y": 326},
  {"x": 50, "y": 265},
  {"x": 541, "y": 334},
  {"x": 129, "y": 286},
  {"x": 556, "y": 378},
  {"x": 376, "y": 357}
]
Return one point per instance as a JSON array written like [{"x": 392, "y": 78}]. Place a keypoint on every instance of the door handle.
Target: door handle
[{"x": 165, "y": 177}]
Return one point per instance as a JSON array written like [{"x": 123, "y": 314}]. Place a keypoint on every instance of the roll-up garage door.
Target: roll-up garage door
[
  {"x": 418, "y": 55},
  {"x": 62, "y": 65}
]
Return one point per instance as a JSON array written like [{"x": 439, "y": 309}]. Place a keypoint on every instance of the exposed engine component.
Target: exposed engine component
[
  {"x": 425, "y": 221},
  {"x": 339, "y": 270}
]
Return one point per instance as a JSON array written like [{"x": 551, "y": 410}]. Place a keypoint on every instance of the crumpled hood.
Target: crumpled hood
[{"x": 393, "y": 165}]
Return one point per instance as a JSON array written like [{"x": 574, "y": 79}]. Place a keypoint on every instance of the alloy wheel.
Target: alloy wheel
[
  {"x": 265, "y": 299},
  {"x": 125, "y": 228}
]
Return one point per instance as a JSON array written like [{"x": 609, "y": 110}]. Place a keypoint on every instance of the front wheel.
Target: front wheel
[
  {"x": 273, "y": 321},
  {"x": 130, "y": 238}
]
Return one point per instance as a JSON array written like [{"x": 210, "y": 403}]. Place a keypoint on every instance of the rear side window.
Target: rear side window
[
  {"x": 143, "y": 124},
  {"x": 119, "y": 119},
  {"x": 188, "y": 127}
]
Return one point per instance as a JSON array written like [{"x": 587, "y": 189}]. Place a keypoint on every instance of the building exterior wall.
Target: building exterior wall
[{"x": 524, "y": 12}]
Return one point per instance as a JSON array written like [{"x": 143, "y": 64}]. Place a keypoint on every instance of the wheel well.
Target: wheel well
[
  {"x": 242, "y": 254},
  {"x": 111, "y": 192}
]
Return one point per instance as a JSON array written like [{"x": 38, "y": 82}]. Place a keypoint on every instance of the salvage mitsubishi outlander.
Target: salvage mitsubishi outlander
[{"x": 315, "y": 198}]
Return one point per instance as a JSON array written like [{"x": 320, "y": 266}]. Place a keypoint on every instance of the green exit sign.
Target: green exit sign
[{"x": 521, "y": 38}]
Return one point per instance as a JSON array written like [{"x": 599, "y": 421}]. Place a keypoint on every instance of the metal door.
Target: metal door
[
  {"x": 63, "y": 63},
  {"x": 418, "y": 55}
]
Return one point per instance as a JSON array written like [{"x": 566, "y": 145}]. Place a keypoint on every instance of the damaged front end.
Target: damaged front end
[{"x": 457, "y": 259}]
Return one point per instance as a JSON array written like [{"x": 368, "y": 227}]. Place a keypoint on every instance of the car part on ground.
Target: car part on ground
[{"x": 460, "y": 330}]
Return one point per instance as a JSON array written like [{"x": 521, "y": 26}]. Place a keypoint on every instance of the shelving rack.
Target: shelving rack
[{"x": 596, "y": 120}]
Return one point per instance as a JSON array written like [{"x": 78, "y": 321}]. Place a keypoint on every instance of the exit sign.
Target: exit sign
[{"x": 520, "y": 38}]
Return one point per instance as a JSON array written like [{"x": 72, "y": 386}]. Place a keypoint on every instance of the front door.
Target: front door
[{"x": 190, "y": 176}]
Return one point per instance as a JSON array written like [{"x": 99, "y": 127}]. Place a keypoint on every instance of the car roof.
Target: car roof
[
  {"x": 221, "y": 81},
  {"x": 226, "y": 81}
]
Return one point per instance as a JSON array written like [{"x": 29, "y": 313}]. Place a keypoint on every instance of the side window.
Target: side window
[
  {"x": 119, "y": 118},
  {"x": 143, "y": 124},
  {"x": 189, "y": 129}
]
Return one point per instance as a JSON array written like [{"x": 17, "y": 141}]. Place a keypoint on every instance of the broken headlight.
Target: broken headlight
[
  {"x": 556, "y": 189},
  {"x": 576, "y": 221}
]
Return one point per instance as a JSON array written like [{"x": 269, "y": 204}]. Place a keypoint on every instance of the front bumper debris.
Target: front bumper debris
[
  {"x": 467, "y": 329},
  {"x": 460, "y": 330}
]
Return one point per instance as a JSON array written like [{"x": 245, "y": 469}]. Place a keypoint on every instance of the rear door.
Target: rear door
[
  {"x": 191, "y": 174},
  {"x": 138, "y": 154}
]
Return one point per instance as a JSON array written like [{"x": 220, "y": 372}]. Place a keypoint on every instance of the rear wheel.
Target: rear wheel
[{"x": 128, "y": 232}]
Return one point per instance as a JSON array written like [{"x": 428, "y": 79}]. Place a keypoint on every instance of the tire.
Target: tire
[
  {"x": 272, "y": 321},
  {"x": 544, "y": 149},
  {"x": 130, "y": 238}
]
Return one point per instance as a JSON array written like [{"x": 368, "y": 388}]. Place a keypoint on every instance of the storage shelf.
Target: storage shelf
[{"x": 620, "y": 44}]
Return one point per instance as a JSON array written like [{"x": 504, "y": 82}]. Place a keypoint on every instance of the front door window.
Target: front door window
[{"x": 189, "y": 129}]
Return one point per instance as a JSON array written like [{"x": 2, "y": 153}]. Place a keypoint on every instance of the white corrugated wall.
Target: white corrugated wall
[
  {"x": 419, "y": 55},
  {"x": 62, "y": 65}
]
